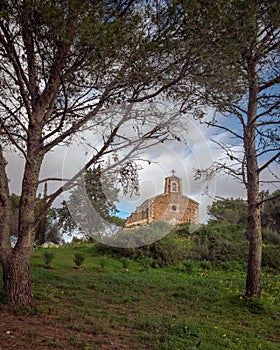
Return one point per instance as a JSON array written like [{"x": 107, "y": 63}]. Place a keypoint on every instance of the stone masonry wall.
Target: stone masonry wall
[{"x": 186, "y": 209}]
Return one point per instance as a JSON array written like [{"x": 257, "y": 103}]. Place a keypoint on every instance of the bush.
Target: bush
[
  {"x": 271, "y": 258},
  {"x": 166, "y": 251},
  {"x": 219, "y": 243},
  {"x": 48, "y": 256},
  {"x": 79, "y": 258},
  {"x": 271, "y": 237},
  {"x": 189, "y": 266}
]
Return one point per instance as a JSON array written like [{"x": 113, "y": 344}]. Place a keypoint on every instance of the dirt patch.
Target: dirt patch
[{"x": 21, "y": 332}]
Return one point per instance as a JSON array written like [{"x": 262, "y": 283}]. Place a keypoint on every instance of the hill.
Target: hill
[{"x": 117, "y": 302}]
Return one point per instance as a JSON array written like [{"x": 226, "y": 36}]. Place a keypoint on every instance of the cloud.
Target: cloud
[{"x": 197, "y": 152}]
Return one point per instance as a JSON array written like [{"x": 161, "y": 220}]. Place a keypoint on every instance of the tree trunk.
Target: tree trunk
[
  {"x": 16, "y": 261},
  {"x": 253, "y": 281},
  {"x": 16, "y": 278}
]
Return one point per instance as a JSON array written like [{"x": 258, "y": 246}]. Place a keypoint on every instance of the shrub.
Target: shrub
[
  {"x": 189, "y": 265},
  {"x": 271, "y": 237},
  {"x": 166, "y": 251},
  {"x": 182, "y": 229},
  {"x": 48, "y": 256},
  {"x": 219, "y": 243},
  {"x": 79, "y": 258},
  {"x": 271, "y": 258}
]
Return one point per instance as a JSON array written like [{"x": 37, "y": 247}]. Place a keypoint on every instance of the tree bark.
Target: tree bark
[
  {"x": 5, "y": 208},
  {"x": 253, "y": 280},
  {"x": 16, "y": 261},
  {"x": 17, "y": 281}
]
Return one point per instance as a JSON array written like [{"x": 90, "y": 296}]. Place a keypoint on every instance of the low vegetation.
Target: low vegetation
[
  {"x": 128, "y": 300},
  {"x": 48, "y": 256}
]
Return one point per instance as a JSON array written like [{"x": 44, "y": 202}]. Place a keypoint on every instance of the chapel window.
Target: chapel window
[{"x": 174, "y": 187}]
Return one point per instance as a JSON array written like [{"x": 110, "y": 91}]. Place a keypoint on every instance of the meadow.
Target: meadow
[{"x": 120, "y": 303}]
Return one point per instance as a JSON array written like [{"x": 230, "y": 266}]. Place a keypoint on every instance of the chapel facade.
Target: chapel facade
[{"x": 172, "y": 206}]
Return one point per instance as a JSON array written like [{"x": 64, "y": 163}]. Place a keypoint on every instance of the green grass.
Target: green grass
[{"x": 134, "y": 308}]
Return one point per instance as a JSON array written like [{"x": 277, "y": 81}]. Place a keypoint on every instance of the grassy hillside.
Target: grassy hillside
[{"x": 118, "y": 303}]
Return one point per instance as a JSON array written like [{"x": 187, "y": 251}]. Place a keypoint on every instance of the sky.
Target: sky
[{"x": 184, "y": 157}]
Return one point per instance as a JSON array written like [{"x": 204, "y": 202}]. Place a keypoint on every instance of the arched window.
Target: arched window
[{"x": 174, "y": 187}]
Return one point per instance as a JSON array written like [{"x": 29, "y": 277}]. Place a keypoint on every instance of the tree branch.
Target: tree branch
[
  {"x": 224, "y": 128},
  {"x": 269, "y": 83},
  {"x": 13, "y": 58},
  {"x": 269, "y": 199},
  {"x": 271, "y": 160}
]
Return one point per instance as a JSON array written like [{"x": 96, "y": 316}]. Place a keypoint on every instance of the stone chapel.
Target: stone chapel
[{"x": 172, "y": 206}]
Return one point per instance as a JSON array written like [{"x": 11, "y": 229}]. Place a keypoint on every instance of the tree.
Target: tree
[
  {"x": 228, "y": 211},
  {"x": 246, "y": 39},
  {"x": 69, "y": 66},
  {"x": 73, "y": 215},
  {"x": 47, "y": 228}
]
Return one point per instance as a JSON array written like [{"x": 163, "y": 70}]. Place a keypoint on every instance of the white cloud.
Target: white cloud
[{"x": 197, "y": 152}]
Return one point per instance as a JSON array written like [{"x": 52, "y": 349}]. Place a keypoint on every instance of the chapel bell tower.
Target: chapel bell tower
[{"x": 173, "y": 184}]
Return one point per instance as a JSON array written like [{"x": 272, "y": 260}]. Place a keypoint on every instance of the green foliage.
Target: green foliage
[
  {"x": 48, "y": 256},
  {"x": 222, "y": 245},
  {"x": 271, "y": 258},
  {"x": 102, "y": 262},
  {"x": 271, "y": 237},
  {"x": 79, "y": 258},
  {"x": 228, "y": 211},
  {"x": 219, "y": 243},
  {"x": 271, "y": 212},
  {"x": 166, "y": 251},
  {"x": 89, "y": 209},
  {"x": 253, "y": 305},
  {"x": 47, "y": 229},
  {"x": 117, "y": 221},
  {"x": 206, "y": 265},
  {"x": 189, "y": 265},
  {"x": 227, "y": 246},
  {"x": 125, "y": 263}
]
